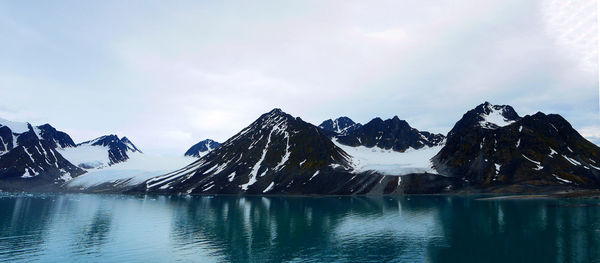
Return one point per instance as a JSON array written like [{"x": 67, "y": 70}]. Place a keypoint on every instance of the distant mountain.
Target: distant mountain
[
  {"x": 29, "y": 158},
  {"x": 493, "y": 149},
  {"x": 101, "y": 152},
  {"x": 202, "y": 148},
  {"x": 340, "y": 126},
  {"x": 393, "y": 134}
]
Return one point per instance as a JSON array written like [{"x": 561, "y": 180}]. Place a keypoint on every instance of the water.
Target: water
[{"x": 122, "y": 228}]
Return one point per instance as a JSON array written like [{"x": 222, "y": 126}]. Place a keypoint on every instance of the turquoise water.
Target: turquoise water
[{"x": 122, "y": 228}]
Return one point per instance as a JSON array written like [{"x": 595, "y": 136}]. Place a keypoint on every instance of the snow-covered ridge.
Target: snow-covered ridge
[
  {"x": 100, "y": 152},
  {"x": 15, "y": 127}
]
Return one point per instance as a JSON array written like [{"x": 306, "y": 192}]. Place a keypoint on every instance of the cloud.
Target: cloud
[{"x": 169, "y": 74}]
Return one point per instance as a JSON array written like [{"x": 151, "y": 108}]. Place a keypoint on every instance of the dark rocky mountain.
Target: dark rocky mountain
[
  {"x": 54, "y": 137},
  {"x": 202, "y": 148},
  {"x": 491, "y": 148},
  {"x": 280, "y": 154},
  {"x": 29, "y": 159},
  {"x": 275, "y": 153},
  {"x": 392, "y": 133},
  {"x": 117, "y": 148},
  {"x": 339, "y": 126}
]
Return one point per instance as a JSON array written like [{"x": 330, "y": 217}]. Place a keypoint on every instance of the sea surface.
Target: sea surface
[{"x": 127, "y": 228}]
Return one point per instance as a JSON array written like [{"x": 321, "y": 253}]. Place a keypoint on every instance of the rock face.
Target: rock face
[
  {"x": 202, "y": 148},
  {"x": 29, "y": 159},
  {"x": 339, "y": 126},
  {"x": 493, "y": 149},
  {"x": 54, "y": 137},
  {"x": 392, "y": 134}
]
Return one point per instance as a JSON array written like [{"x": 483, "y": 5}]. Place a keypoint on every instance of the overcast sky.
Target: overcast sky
[{"x": 167, "y": 74}]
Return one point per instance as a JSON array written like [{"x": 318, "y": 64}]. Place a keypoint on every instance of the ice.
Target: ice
[
  {"x": 87, "y": 156},
  {"x": 390, "y": 162},
  {"x": 139, "y": 168}
]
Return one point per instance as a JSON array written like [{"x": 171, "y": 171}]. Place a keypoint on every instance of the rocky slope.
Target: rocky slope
[
  {"x": 202, "y": 148},
  {"x": 491, "y": 148}
]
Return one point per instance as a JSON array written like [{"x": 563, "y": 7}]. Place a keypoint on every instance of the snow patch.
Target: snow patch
[
  {"x": 538, "y": 164},
  {"x": 572, "y": 161},
  {"x": 15, "y": 127},
  {"x": 269, "y": 187},
  {"x": 231, "y": 176},
  {"x": 313, "y": 176},
  {"x": 494, "y": 117},
  {"x": 254, "y": 171},
  {"x": 561, "y": 179}
]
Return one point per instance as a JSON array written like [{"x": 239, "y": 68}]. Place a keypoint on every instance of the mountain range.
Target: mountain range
[
  {"x": 490, "y": 149},
  {"x": 43, "y": 158}
]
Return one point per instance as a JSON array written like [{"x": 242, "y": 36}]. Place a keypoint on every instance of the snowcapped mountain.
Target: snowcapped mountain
[
  {"x": 494, "y": 149},
  {"x": 340, "y": 126},
  {"x": 202, "y": 148},
  {"x": 100, "y": 152},
  {"x": 43, "y": 158},
  {"x": 394, "y": 134},
  {"x": 29, "y": 158},
  {"x": 280, "y": 154},
  {"x": 269, "y": 155},
  {"x": 490, "y": 149}
]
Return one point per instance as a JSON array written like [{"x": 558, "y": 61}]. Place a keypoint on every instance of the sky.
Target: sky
[{"x": 168, "y": 74}]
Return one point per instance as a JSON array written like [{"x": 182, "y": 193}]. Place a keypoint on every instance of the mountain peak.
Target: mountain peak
[
  {"x": 130, "y": 144},
  {"x": 275, "y": 111},
  {"x": 488, "y": 116},
  {"x": 117, "y": 148},
  {"x": 276, "y": 152},
  {"x": 340, "y": 126},
  {"x": 202, "y": 148},
  {"x": 392, "y": 133}
]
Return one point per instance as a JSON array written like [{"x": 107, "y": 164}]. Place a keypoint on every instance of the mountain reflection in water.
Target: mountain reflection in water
[{"x": 109, "y": 228}]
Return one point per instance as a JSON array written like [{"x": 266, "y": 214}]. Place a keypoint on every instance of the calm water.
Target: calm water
[{"x": 110, "y": 228}]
